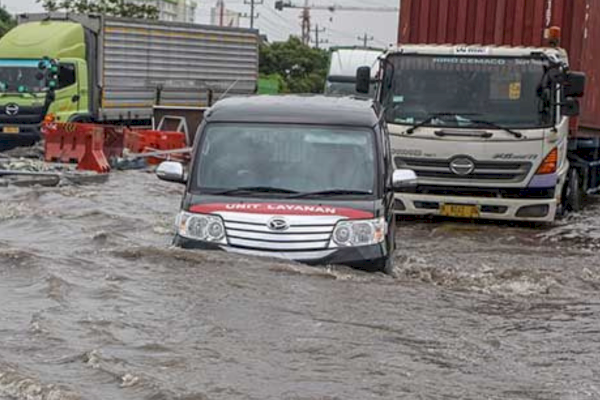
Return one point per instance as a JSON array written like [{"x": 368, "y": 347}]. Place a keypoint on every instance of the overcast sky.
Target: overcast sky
[{"x": 342, "y": 27}]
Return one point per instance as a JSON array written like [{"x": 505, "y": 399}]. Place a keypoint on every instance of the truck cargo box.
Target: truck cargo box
[
  {"x": 135, "y": 64},
  {"x": 514, "y": 23}
]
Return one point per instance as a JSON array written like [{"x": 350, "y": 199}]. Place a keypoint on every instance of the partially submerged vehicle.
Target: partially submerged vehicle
[{"x": 302, "y": 178}]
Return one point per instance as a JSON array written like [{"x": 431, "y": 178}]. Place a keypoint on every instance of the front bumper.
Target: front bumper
[
  {"x": 371, "y": 257},
  {"x": 28, "y": 135},
  {"x": 490, "y": 207}
]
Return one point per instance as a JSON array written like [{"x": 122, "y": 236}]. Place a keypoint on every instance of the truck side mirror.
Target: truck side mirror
[
  {"x": 570, "y": 107},
  {"x": 363, "y": 80},
  {"x": 574, "y": 85}
]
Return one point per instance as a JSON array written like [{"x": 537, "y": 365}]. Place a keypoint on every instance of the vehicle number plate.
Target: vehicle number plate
[
  {"x": 459, "y": 211},
  {"x": 10, "y": 129}
]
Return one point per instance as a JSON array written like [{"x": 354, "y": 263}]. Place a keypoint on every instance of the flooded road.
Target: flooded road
[{"x": 94, "y": 304}]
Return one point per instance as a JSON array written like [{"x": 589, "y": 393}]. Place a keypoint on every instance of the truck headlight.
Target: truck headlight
[
  {"x": 203, "y": 227},
  {"x": 353, "y": 233}
]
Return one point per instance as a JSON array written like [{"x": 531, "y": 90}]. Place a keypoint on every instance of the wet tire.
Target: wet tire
[
  {"x": 388, "y": 266},
  {"x": 82, "y": 119},
  {"x": 573, "y": 193}
]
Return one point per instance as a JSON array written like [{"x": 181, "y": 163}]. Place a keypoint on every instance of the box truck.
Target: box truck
[{"x": 115, "y": 70}]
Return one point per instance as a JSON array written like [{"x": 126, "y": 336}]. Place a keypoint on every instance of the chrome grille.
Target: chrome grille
[
  {"x": 484, "y": 170},
  {"x": 299, "y": 236}
]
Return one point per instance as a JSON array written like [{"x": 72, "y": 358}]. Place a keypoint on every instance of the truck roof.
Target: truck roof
[
  {"x": 295, "y": 109},
  {"x": 477, "y": 50},
  {"x": 34, "y": 40},
  {"x": 344, "y": 62}
]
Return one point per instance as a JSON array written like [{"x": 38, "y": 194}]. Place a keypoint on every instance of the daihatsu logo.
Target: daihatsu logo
[
  {"x": 12, "y": 109},
  {"x": 278, "y": 224}
]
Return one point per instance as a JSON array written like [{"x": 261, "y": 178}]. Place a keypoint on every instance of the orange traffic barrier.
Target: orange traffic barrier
[
  {"x": 66, "y": 142},
  {"x": 145, "y": 141},
  {"x": 94, "y": 158}
]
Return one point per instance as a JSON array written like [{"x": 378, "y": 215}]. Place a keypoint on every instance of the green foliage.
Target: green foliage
[
  {"x": 301, "y": 68},
  {"x": 272, "y": 84},
  {"x": 117, "y": 8},
  {"x": 7, "y": 22}
]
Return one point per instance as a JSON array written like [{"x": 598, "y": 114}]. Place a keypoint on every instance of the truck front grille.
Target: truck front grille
[
  {"x": 257, "y": 236},
  {"x": 508, "y": 172}
]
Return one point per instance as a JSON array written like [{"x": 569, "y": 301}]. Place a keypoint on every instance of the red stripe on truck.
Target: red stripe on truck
[{"x": 280, "y": 209}]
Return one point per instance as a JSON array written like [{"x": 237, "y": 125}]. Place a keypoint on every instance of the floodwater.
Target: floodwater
[{"x": 94, "y": 304}]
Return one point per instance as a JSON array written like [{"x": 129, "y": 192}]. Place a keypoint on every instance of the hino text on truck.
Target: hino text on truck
[
  {"x": 489, "y": 129},
  {"x": 115, "y": 70}
]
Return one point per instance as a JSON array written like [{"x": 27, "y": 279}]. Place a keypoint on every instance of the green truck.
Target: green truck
[{"x": 115, "y": 70}]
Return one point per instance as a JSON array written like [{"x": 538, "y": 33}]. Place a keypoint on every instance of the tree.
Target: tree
[
  {"x": 7, "y": 22},
  {"x": 302, "y": 68},
  {"x": 117, "y": 8}
]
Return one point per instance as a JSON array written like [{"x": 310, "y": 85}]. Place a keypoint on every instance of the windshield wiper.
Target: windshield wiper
[
  {"x": 465, "y": 116},
  {"x": 491, "y": 124},
  {"x": 333, "y": 192},
  {"x": 254, "y": 189},
  {"x": 432, "y": 116}
]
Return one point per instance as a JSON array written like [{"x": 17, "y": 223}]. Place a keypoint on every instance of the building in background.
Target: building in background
[
  {"x": 221, "y": 16},
  {"x": 173, "y": 10}
]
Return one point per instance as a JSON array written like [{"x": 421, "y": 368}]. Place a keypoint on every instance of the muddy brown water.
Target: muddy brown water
[{"x": 94, "y": 304}]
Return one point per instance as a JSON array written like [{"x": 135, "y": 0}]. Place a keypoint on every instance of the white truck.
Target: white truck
[
  {"x": 344, "y": 61},
  {"x": 485, "y": 128}
]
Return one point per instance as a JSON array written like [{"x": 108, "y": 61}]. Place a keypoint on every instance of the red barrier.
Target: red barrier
[
  {"x": 78, "y": 143},
  {"x": 94, "y": 158},
  {"x": 151, "y": 141},
  {"x": 114, "y": 141},
  {"x": 63, "y": 142},
  {"x": 66, "y": 142},
  {"x": 91, "y": 145}
]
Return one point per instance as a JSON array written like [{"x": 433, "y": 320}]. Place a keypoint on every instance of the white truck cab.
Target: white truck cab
[{"x": 485, "y": 128}]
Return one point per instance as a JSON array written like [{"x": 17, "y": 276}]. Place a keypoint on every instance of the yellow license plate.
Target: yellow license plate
[
  {"x": 459, "y": 211},
  {"x": 11, "y": 129}
]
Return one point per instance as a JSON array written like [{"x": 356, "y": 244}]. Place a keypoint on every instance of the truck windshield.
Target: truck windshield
[
  {"x": 498, "y": 90},
  {"x": 289, "y": 158},
  {"x": 20, "y": 76}
]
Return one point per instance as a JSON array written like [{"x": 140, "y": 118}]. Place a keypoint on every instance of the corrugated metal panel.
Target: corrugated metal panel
[
  {"x": 182, "y": 61},
  {"x": 587, "y": 54},
  {"x": 513, "y": 23},
  {"x": 497, "y": 22}
]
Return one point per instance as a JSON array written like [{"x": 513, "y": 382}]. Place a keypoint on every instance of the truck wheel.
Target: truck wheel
[
  {"x": 573, "y": 192},
  {"x": 82, "y": 119}
]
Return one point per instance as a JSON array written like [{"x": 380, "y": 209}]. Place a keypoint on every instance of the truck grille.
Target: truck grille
[
  {"x": 257, "y": 236},
  {"x": 484, "y": 170}
]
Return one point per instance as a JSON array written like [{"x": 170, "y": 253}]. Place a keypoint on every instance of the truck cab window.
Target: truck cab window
[{"x": 66, "y": 75}]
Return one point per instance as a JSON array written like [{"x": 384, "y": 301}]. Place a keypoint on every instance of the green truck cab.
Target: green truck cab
[{"x": 23, "y": 95}]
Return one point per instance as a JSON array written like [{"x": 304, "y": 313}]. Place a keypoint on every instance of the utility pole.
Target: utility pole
[
  {"x": 221, "y": 8},
  {"x": 253, "y": 4},
  {"x": 305, "y": 23},
  {"x": 366, "y": 39},
  {"x": 317, "y": 32}
]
